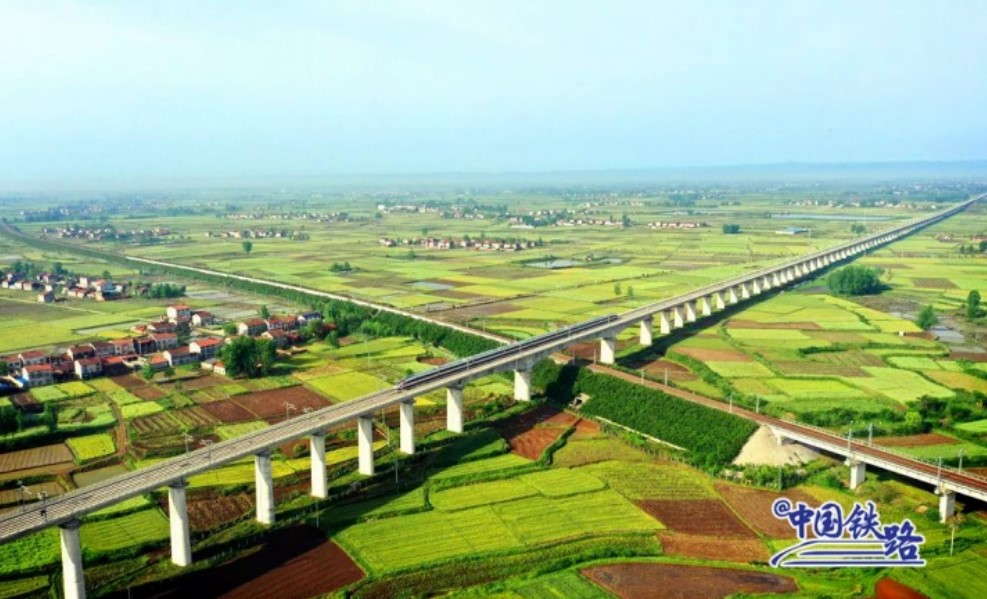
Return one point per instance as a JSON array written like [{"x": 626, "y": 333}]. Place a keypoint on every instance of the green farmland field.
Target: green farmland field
[{"x": 91, "y": 447}]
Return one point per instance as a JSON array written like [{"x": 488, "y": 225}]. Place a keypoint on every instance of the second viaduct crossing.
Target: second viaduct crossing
[{"x": 519, "y": 357}]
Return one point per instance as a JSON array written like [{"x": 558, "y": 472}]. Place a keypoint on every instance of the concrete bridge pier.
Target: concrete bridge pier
[
  {"x": 522, "y": 384},
  {"x": 677, "y": 321},
  {"x": 705, "y": 305},
  {"x": 647, "y": 332},
  {"x": 793, "y": 273},
  {"x": 947, "y": 504},
  {"x": 778, "y": 279},
  {"x": 181, "y": 543},
  {"x": 608, "y": 349},
  {"x": 408, "y": 427},
  {"x": 320, "y": 477},
  {"x": 858, "y": 472},
  {"x": 664, "y": 326},
  {"x": 73, "y": 580},
  {"x": 746, "y": 289},
  {"x": 719, "y": 300},
  {"x": 732, "y": 294},
  {"x": 365, "y": 438},
  {"x": 690, "y": 311},
  {"x": 264, "y": 483},
  {"x": 755, "y": 288},
  {"x": 454, "y": 409}
]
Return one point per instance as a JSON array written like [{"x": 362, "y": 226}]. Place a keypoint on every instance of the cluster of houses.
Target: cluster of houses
[
  {"x": 47, "y": 286},
  {"x": 104, "y": 233},
  {"x": 663, "y": 224},
  {"x": 321, "y": 217},
  {"x": 446, "y": 243},
  {"x": 269, "y": 233},
  {"x": 158, "y": 344}
]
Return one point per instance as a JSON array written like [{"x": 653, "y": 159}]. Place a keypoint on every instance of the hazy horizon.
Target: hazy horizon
[{"x": 123, "y": 93}]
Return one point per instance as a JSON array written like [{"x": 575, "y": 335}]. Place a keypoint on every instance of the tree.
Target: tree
[
  {"x": 147, "y": 371},
  {"x": 264, "y": 312},
  {"x": 927, "y": 318},
  {"x": 248, "y": 246},
  {"x": 630, "y": 292},
  {"x": 333, "y": 338},
  {"x": 106, "y": 274},
  {"x": 50, "y": 417},
  {"x": 731, "y": 229},
  {"x": 855, "y": 280},
  {"x": 616, "y": 289},
  {"x": 169, "y": 372},
  {"x": 266, "y": 355},
  {"x": 973, "y": 304},
  {"x": 229, "y": 329},
  {"x": 4, "y": 369}
]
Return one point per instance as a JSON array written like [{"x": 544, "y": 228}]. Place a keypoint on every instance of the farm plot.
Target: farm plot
[
  {"x": 292, "y": 563},
  {"x": 74, "y": 389},
  {"x": 228, "y": 411},
  {"x": 15, "y": 496},
  {"x": 136, "y": 410},
  {"x": 579, "y": 452},
  {"x": 529, "y": 434},
  {"x": 91, "y": 477},
  {"x": 149, "y": 392},
  {"x": 46, "y": 394},
  {"x": 958, "y": 380},
  {"x": 148, "y": 526},
  {"x": 643, "y": 480},
  {"x": 754, "y": 507},
  {"x": 37, "y": 457},
  {"x": 711, "y": 548},
  {"x": 348, "y": 385},
  {"x": 815, "y": 389},
  {"x": 206, "y": 514},
  {"x": 704, "y": 517},
  {"x": 271, "y": 404},
  {"x": 639, "y": 580},
  {"x": 232, "y": 431},
  {"x": 915, "y": 440},
  {"x": 394, "y": 543},
  {"x": 901, "y": 385},
  {"x": 35, "y": 551},
  {"x": 91, "y": 447}
]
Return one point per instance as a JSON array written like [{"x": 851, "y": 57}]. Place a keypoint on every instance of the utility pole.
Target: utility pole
[
  {"x": 849, "y": 439},
  {"x": 287, "y": 406},
  {"x": 870, "y": 435}
]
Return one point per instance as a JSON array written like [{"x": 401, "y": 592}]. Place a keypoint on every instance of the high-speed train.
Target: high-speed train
[{"x": 480, "y": 359}]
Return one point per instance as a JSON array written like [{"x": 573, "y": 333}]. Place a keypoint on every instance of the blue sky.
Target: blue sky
[{"x": 131, "y": 89}]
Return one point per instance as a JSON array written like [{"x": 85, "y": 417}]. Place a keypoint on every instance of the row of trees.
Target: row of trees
[
  {"x": 13, "y": 420},
  {"x": 731, "y": 229}
]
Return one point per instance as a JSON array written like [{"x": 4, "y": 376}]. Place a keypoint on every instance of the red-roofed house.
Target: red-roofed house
[
  {"x": 39, "y": 374},
  {"x": 103, "y": 349},
  {"x": 206, "y": 348},
  {"x": 33, "y": 357},
  {"x": 179, "y": 311},
  {"x": 164, "y": 341},
  {"x": 201, "y": 318},
  {"x": 281, "y": 323},
  {"x": 123, "y": 346},
  {"x": 254, "y": 326},
  {"x": 179, "y": 356},
  {"x": 145, "y": 345},
  {"x": 78, "y": 352},
  {"x": 87, "y": 368}
]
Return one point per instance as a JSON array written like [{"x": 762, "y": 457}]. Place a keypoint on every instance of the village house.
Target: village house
[
  {"x": 202, "y": 318},
  {"x": 179, "y": 311},
  {"x": 206, "y": 348},
  {"x": 33, "y": 357},
  {"x": 278, "y": 336},
  {"x": 145, "y": 345},
  {"x": 306, "y": 317},
  {"x": 87, "y": 368},
  {"x": 163, "y": 341},
  {"x": 39, "y": 374},
  {"x": 281, "y": 323},
  {"x": 78, "y": 292},
  {"x": 252, "y": 327},
  {"x": 180, "y": 356},
  {"x": 62, "y": 368},
  {"x": 158, "y": 362},
  {"x": 46, "y": 298},
  {"x": 14, "y": 363},
  {"x": 162, "y": 326},
  {"x": 103, "y": 349},
  {"x": 78, "y": 352},
  {"x": 117, "y": 365},
  {"x": 123, "y": 346}
]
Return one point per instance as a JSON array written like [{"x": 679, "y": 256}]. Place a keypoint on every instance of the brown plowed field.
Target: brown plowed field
[
  {"x": 434, "y": 361},
  {"x": 887, "y": 588},
  {"x": 933, "y": 283},
  {"x": 668, "y": 581},
  {"x": 743, "y": 551},
  {"x": 128, "y": 381},
  {"x": 715, "y": 355},
  {"x": 530, "y": 433},
  {"x": 915, "y": 440},
  {"x": 676, "y": 371},
  {"x": 206, "y": 514},
  {"x": 293, "y": 563},
  {"x": 708, "y": 517},
  {"x": 202, "y": 382},
  {"x": 753, "y": 324},
  {"x": 148, "y": 392},
  {"x": 35, "y": 458},
  {"x": 26, "y": 403},
  {"x": 270, "y": 404},
  {"x": 228, "y": 411},
  {"x": 586, "y": 429},
  {"x": 754, "y": 507}
]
